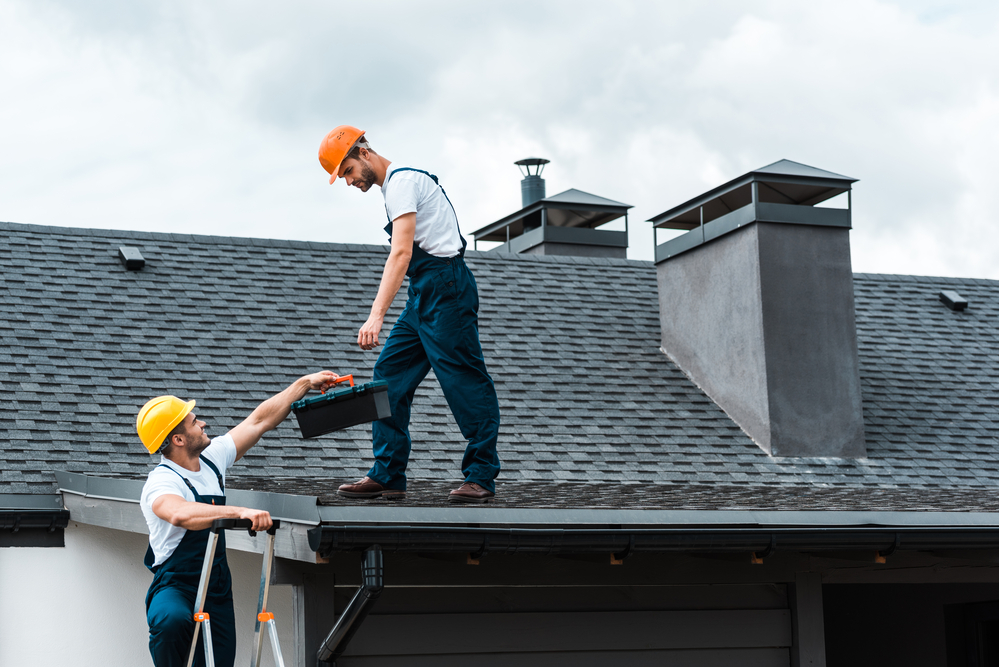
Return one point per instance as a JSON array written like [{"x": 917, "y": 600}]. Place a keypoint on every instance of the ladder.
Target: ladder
[
  {"x": 203, "y": 620},
  {"x": 265, "y": 617}
]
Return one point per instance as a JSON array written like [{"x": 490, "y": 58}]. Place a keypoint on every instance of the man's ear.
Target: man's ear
[{"x": 364, "y": 154}]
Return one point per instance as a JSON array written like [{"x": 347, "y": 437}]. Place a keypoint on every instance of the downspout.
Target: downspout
[{"x": 372, "y": 575}]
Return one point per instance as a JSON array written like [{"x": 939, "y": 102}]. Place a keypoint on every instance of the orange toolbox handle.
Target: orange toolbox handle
[{"x": 343, "y": 378}]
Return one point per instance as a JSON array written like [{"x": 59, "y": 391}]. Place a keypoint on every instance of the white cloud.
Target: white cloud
[{"x": 206, "y": 117}]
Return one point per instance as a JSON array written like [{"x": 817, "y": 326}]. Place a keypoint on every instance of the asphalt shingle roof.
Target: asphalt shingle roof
[{"x": 572, "y": 343}]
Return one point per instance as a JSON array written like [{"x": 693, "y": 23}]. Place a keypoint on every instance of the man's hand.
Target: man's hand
[
  {"x": 403, "y": 231},
  {"x": 367, "y": 337},
  {"x": 261, "y": 519},
  {"x": 322, "y": 380}
]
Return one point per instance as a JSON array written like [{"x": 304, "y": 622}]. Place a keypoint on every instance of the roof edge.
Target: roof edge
[{"x": 288, "y": 507}]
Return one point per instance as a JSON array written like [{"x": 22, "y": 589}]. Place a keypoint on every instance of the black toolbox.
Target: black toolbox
[{"x": 342, "y": 408}]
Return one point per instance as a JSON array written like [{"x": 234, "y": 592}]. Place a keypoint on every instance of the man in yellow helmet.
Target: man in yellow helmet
[
  {"x": 437, "y": 329},
  {"x": 180, "y": 499}
]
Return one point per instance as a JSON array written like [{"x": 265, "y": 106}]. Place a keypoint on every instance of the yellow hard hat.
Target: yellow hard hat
[{"x": 158, "y": 417}]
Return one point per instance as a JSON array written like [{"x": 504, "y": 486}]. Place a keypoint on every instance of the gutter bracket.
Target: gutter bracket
[
  {"x": 372, "y": 582},
  {"x": 475, "y": 556},
  {"x": 757, "y": 557},
  {"x": 882, "y": 556},
  {"x": 618, "y": 559}
]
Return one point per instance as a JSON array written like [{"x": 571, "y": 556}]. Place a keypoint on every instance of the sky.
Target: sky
[{"x": 206, "y": 117}]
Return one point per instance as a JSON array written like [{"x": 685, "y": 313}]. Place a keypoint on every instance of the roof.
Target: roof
[
  {"x": 572, "y": 343},
  {"x": 792, "y": 168},
  {"x": 574, "y": 196},
  {"x": 783, "y": 182}
]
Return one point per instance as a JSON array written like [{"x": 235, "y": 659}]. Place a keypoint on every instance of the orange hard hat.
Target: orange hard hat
[
  {"x": 335, "y": 147},
  {"x": 158, "y": 417}
]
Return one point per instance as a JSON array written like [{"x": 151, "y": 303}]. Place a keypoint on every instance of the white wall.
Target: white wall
[{"x": 84, "y": 604}]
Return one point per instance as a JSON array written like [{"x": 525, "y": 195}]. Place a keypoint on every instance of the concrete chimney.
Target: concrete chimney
[{"x": 756, "y": 307}]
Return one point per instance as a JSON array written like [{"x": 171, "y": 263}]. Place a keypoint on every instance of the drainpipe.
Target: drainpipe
[{"x": 372, "y": 575}]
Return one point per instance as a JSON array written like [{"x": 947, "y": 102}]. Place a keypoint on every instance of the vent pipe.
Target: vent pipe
[{"x": 532, "y": 188}]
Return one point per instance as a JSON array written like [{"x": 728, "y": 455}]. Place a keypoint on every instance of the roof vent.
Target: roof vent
[
  {"x": 532, "y": 188},
  {"x": 953, "y": 300},
  {"x": 131, "y": 257}
]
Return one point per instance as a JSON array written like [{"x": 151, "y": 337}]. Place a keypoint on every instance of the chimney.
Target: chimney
[
  {"x": 756, "y": 307},
  {"x": 563, "y": 224}
]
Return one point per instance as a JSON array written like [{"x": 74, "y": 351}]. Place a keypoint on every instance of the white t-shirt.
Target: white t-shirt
[
  {"x": 436, "y": 225},
  {"x": 164, "y": 536}
]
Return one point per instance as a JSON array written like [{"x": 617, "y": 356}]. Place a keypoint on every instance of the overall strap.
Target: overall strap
[
  {"x": 444, "y": 192},
  {"x": 197, "y": 496},
  {"x": 216, "y": 471}
]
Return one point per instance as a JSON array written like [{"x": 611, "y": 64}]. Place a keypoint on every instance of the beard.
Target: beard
[
  {"x": 203, "y": 445},
  {"x": 368, "y": 177}
]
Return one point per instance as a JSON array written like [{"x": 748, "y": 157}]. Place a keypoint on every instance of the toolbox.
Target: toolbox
[{"x": 341, "y": 408}]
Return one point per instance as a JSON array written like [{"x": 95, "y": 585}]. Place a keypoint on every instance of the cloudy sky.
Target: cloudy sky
[{"x": 194, "y": 116}]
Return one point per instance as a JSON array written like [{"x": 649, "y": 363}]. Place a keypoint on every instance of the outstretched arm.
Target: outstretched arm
[
  {"x": 273, "y": 411},
  {"x": 403, "y": 231}
]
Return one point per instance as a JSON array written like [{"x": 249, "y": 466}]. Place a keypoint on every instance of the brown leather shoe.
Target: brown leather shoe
[
  {"x": 470, "y": 492},
  {"x": 369, "y": 488}
]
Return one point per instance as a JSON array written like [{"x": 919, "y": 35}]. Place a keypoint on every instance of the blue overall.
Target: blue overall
[
  {"x": 437, "y": 329},
  {"x": 170, "y": 600}
]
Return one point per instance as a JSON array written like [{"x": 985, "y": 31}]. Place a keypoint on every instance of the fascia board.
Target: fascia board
[{"x": 30, "y": 501}]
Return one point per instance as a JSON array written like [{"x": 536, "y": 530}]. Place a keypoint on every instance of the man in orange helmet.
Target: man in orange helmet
[
  {"x": 180, "y": 499},
  {"x": 438, "y": 328}
]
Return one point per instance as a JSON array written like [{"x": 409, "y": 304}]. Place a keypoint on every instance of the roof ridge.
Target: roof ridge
[
  {"x": 478, "y": 255},
  {"x": 290, "y": 243},
  {"x": 171, "y": 236},
  {"x": 902, "y": 277}
]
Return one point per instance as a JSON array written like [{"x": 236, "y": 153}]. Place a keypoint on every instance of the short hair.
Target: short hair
[
  {"x": 167, "y": 445},
  {"x": 355, "y": 152}
]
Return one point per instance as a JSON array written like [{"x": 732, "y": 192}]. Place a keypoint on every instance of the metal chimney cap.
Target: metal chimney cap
[
  {"x": 532, "y": 162},
  {"x": 131, "y": 257}
]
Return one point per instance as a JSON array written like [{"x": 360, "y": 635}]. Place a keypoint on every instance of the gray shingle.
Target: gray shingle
[{"x": 572, "y": 344}]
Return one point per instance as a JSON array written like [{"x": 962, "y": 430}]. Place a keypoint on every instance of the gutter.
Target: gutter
[
  {"x": 390, "y": 514},
  {"x": 16, "y": 519},
  {"x": 32, "y": 520},
  {"x": 762, "y": 539}
]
